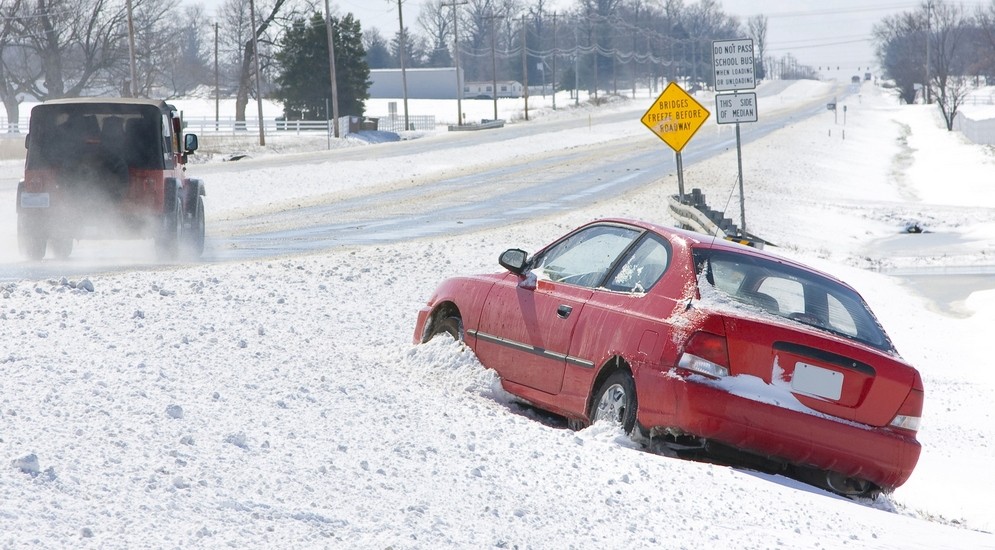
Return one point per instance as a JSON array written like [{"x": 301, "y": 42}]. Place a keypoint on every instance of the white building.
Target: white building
[
  {"x": 421, "y": 83},
  {"x": 485, "y": 89}
]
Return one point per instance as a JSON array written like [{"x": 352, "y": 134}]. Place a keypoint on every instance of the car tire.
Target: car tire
[
  {"x": 31, "y": 239},
  {"x": 615, "y": 401},
  {"x": 62, "y": 247},
  {"x": 451, "y": 325},
  {"x": 167, "y": 243},
  {"x": 193, "y": 236}
]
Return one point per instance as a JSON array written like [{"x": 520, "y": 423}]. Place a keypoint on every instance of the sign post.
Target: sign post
[
  {"x": 674, "y": 117},
  {"x": 735, "y": 69}
]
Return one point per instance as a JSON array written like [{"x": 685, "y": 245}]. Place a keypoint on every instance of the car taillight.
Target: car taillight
[
  {"x": 910, "y": 413},
  {"x": 706, "y": 354}
]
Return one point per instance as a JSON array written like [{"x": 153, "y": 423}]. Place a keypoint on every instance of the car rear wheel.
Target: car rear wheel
[
  {"x": 193, "y": 236},
  {"x": 62, "y": 247},
  {"x": 167, "y": 243},
  {"x": 31, "y": 237},
  {"x": 615, "y": 401}
]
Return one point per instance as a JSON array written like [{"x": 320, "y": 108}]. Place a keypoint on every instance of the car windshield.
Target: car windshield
[
  {"x": 63, "y": 135},
  {"x": 584, "y": 257},
  {"x": 796, "y": 294}
]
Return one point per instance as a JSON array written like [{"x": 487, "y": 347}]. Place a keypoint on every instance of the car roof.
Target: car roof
[{"x": 703, "y": 241}]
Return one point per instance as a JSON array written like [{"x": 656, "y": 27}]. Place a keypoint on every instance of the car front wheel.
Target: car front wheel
[
  {"x": 451, "y": 325},
  {"x": 615, "y": 401}
]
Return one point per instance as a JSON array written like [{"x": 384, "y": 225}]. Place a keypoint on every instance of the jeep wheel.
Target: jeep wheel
[
  {"x": 193, "y": 236},
  {"x": 167, "y": 243},
  {"x": 31, "y": 239},
  {"x": 62, "y": 247}
]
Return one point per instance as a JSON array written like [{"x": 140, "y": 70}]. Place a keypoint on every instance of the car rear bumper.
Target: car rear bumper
[{"x": 882, "y": 457}]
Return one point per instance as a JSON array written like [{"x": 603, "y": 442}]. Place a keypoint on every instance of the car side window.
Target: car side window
[
  {"x": 642, "y": 268},
  {"x": 584, "y": 257}
]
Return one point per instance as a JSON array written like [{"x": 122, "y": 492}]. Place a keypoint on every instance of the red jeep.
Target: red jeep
[{"x": 108, "y": 168}]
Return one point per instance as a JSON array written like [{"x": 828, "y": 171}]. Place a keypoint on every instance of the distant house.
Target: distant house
[
  {"x": 421, "y": 83},
  {"x": 485, "y": 89}
]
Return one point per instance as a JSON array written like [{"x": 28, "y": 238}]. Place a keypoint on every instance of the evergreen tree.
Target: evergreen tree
[
  {"x": 304, "y": 80},
  {"x": 377, "y": 52}
]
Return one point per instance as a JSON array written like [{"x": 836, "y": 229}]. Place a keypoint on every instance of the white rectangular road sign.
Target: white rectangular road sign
[
  {"x": 734, "y": 65},
  {"x": 738, "y": 107}
]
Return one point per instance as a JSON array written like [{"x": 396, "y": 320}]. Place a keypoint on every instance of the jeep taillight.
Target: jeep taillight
[
  {"x": 910, "y": 413},
  {"x": 34, "y": 184},
  {"x": 707, "y": 354}
]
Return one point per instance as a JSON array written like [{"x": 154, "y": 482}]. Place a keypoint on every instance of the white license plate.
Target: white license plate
[
  {"x": 817, "y": 381},
  {"x": 34, "y": 200}
]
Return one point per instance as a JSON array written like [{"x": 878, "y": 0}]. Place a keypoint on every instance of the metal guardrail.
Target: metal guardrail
[{"x": 694, "y": 214}]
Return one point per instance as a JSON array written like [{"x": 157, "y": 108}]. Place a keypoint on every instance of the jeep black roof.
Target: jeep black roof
[{"x": 158, "y": 103}]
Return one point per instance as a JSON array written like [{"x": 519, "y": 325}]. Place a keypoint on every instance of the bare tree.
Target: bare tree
[
  {"x": 67, "y": 44},
  {"x": 757, "y": 26},
  {"x": 985, "y": 19},
  {"x": 901, "y": 46},
  {"x": 274, "y": 16},
  {"x": 188, "y": 62},
  {"x": 436, "y": 21},
  {"x": 9, "y": 87},
  {"x": 948, "y": 34},
  {"x": 943, "y": 30},
  {"x": 156, "y": 42}
]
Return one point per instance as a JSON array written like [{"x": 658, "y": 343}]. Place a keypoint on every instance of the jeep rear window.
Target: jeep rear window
[{"x": 62, "y": 134}]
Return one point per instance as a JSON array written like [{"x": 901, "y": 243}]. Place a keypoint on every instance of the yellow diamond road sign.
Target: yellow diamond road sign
[{"x": 675, "y": 116}]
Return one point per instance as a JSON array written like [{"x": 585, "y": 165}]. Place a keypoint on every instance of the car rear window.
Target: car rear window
[{"x": 792, "y": 293}]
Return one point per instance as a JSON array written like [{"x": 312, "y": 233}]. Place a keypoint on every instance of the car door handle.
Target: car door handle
[{"x": 563, "y": 311}]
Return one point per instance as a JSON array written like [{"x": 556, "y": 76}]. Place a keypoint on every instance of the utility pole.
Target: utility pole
[
  {"x": 576, "y": 67},
  {"x": 133, "y": 88},
  {"x": 402, "y": 54},
  {"x": 217, "y": 85},
  {"x": 494, "y": 94},
  {"x": 459, "y": 81},
  {"x": 525, "y": 66},
  {"x": 331, "y": 70},
  {"x": 555, "y": 52},
  {"x": 929, "y": 33},
  {"x": 255, "y": 60}
]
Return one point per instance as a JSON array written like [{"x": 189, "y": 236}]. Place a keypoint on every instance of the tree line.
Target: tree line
[
  {"x": 937, "y": 52},
  {"x": 64, "y": 48}
]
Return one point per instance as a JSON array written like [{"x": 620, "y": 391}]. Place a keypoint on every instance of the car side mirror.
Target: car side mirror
[
  {"x": 514, "y": 260},
  {"x": 190, "y": 143}
]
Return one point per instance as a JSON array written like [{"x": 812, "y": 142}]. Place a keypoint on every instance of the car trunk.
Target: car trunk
[{"x": 841, "y": 383}]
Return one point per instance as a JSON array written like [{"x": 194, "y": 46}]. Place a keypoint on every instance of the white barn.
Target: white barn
[{"x": 442, "y": 83}]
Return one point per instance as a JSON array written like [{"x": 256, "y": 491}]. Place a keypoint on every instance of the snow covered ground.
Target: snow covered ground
[{"x": 280, "y": 403}]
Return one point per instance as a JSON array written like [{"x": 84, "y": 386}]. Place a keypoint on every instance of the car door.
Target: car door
[{"x": 527, "y": 322}]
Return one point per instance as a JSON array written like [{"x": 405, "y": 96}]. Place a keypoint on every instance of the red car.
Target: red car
[{"x": 716, "y": 350}]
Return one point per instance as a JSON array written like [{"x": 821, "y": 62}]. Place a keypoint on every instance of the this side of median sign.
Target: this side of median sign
[
  {"x": 735, "y": 70},
  {"x": 735, "y": 107}
]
